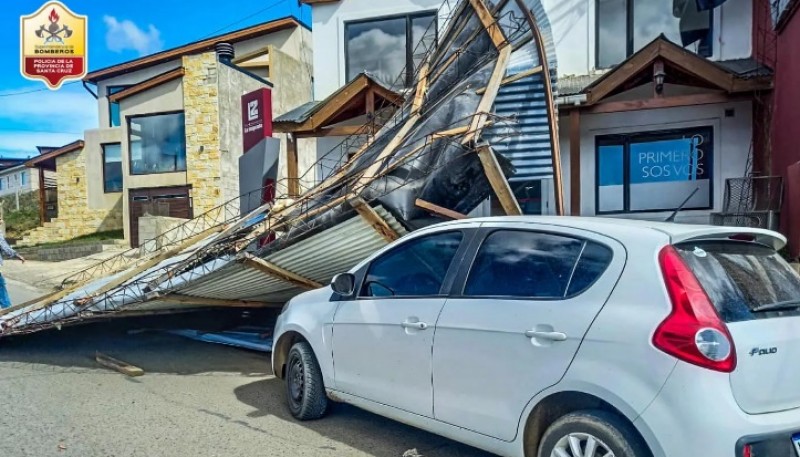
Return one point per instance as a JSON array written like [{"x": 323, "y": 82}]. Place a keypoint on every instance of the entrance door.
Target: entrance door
[{"x": 158, "y": 201}]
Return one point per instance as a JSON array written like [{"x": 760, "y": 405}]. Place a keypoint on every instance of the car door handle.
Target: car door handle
[
  {"x": 415, "y": 325},
  {"x": 549, "y": 336}
]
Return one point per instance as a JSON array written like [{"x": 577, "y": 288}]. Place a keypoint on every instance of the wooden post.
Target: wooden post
[
  {"x": 42, "y": 197},
  {"x": 291, "y": 166},
  {"x": 498, "y": 181},
  {"x": 575, "y": 161}
]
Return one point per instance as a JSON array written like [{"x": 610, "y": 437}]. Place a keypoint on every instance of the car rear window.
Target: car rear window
[{"x": 744, "y": 280}]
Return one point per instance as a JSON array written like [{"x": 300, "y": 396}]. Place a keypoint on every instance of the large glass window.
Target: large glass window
[
  {"x": 113, "y": 107},
  {"x": 386, "y": 47},
  {"x": 415, "y": 268},
  {"x": 655, "y": 171},
  {"x": 112, "y": 167},
  {"x": 537, "y": 265},
  {"x": 157, "y": 143},
  {"x": 625, "y": 26}
]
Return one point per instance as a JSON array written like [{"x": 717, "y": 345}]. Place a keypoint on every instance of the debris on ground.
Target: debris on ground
[
  {"x": 252, "y": 338},
  {"x": 118, "y": 365}
]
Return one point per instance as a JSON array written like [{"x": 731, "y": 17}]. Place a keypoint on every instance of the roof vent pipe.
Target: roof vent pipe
[{"x": 225, "y": 52}]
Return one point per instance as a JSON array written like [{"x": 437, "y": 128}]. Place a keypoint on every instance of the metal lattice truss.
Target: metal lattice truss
[{"x": 425, "y": 160}]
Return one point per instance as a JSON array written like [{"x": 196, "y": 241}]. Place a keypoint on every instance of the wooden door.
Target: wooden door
[{"x": 157, "y": 201}]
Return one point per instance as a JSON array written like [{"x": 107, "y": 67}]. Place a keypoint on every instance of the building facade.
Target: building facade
[
  {"x": 630, "y": 147},
  {"x": 170, "y": 131},
  {"x": 17, "y": 180}
]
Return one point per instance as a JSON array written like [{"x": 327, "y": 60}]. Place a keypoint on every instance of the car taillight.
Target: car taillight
[{"x": 693, "y": 331}]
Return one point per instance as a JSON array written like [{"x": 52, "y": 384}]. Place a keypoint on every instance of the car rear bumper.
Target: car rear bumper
[{"x": 696, "y": 414}]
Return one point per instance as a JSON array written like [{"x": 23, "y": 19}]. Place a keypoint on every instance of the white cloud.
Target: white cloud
[
  {"x": 126, "y": 35},
  {"x": 44, "y": 118}
]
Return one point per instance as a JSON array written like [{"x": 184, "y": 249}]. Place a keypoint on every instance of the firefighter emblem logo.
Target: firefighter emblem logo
[{"x": 54, "y": 42}]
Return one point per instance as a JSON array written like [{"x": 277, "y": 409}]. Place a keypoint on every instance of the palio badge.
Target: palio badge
[{"x": 54, "y": 45}]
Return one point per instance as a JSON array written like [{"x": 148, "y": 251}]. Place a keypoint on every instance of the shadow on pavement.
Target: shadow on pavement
[
  {"x": 351, "y": 426},
  {"x": 140, "y": 342}
]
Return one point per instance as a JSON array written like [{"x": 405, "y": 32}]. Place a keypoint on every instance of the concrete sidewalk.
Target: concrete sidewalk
[{"x": 47, "y": 276}]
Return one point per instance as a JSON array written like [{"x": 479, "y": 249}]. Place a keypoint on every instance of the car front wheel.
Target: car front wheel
[
  {"x": 304, "y": 387},
  {"x": 591, "y": 434}
]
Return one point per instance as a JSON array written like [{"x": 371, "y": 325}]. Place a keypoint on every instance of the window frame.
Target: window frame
[
  {"x": 128, "y": 120},
  {"x": 409, "y": 17},
  {"x": 110, "y": 91},
  {"x": 485, "y": 233},
  {"x": 467, "y": 236},
  {"x": 122, "y": 171},
  {"x": 630, "y": 46},
  {"x": 625, "y": 139}
]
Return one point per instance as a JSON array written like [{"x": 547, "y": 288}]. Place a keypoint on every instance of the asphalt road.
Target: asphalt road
[{"x": 195, "y": 399}]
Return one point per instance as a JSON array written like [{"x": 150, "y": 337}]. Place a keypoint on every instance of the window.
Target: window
[
  {"x": 536, "y": 265},
  {"x": 113, "y": 107},
  {"x": 112, "y": 167},
  {"x": 626, "y": 26},
  {"x": 157, "y": 143},
  {"x": 415, "y": 268},
  {"x": 23, "y": 178},
  {"x": 654, "y": 171},
  {"x": 386, "y": 47}
]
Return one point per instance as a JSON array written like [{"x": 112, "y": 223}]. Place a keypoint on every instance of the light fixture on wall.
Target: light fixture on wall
[{"x": 658, "y": 76}]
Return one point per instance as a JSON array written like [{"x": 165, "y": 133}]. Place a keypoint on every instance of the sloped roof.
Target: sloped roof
[
  {"x": 48, "y": 159},
  {"x": 196, "y": 47}
]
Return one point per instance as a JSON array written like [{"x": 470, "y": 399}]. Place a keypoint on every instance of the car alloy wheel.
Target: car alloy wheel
[{"x": 581, "y": 445}]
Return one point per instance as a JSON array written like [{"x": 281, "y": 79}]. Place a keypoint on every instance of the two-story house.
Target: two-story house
[
  {"x": 656, "y": 97},
  {"x": 170, "y": 132}
]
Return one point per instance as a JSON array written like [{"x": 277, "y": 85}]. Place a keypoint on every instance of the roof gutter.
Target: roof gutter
[
  {"x": 86, "y": 86},
  {"x": 573, "y": 100}
]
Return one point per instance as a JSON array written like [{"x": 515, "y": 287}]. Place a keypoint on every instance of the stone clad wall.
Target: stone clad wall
[
  {"x": 201, "y": 108},
  {"x": 74, "y": 216}
]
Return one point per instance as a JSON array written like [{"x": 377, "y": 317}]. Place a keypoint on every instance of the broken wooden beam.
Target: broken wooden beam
[
  {"x": 374, "y": 220},
  {"x": 118, "y": 365},
  {"x": 216, "y": 302},
  {"x": 498, "y": 181},
  {"x": 273, "y": 270},
  {"x": 489, "y": 23},
  {"x": 492, "y": 89},
  {"x": 422, "y": 88},
  {"x": 439, "y": 210},
  {"x": 514, "y": 78}
]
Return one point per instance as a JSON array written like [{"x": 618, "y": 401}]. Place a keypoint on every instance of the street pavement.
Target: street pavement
[{"x": 195, "y": 399}]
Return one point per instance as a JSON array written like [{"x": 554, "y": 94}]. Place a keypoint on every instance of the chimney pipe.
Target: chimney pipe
[{"x": 225, "y": 52}]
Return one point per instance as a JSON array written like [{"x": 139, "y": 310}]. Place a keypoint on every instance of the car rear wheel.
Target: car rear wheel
[
  {"x": 304, "y": 387},
  {"x": 591, "y": 434}
]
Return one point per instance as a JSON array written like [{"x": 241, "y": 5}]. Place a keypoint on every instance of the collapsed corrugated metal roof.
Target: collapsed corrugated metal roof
[{"x": 436, "y": 151}]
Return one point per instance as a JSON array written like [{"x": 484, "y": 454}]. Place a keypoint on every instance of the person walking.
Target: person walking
[{"x": 7, "y": 252}]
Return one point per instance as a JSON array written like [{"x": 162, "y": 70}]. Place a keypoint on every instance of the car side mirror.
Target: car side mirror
[{"x": 344, "y": 284}]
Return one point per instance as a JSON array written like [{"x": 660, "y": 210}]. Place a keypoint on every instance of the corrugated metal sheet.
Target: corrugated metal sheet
[
  {"x": 527, "y": 144},
  {"x": 318, "y": 258}
]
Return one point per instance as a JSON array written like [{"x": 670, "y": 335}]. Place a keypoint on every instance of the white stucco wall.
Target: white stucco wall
[{"x": 732, "y": 139}]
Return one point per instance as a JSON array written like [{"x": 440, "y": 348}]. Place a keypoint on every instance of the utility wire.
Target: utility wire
[
  {"x": 11, "y": 94},
  {"x": 273, "y": 5}
]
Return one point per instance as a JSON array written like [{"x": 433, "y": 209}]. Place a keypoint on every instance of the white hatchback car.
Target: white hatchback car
[{"x": 557, "y": 337}]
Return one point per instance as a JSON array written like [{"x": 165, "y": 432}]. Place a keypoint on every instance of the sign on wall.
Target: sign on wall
[
  {"x": 53, "y": 44},
  {"x": 655, "y": 171},
  {"x": 256, "y": 117}
]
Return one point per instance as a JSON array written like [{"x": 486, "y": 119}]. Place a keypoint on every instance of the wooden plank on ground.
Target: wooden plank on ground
[
  {"x": 439, "y": 210},
  {"x": 485, "y": 106},
  {"x": 489, "y": 23},
  {"x": 118, "y": 365},
  {"x": 498, "y": 181},
  {"x": 374, "y": 220},
  {"x": 278, "y": 272}
]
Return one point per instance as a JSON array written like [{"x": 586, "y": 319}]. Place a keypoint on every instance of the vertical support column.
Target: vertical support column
[
  {"x": 575, "y": 161},
  {"x": 292, "y": 174},
  {"x": 42, "y": 197}
]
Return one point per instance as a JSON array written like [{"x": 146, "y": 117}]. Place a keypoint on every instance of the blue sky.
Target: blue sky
[{"x": 31, "y": 115}]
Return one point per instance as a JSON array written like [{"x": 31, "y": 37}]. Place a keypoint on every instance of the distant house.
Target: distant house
[
  {"x": 171, "y": 129},
  {"x": 17, "y": 180}
]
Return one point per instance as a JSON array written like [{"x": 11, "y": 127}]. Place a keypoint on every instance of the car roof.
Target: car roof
[{"x": 675, "y": 231}]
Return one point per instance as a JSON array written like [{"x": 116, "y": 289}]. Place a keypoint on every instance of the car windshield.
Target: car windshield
[{"x": 744, "y": 280}]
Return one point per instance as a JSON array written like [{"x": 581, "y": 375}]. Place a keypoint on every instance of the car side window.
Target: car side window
[
  {"x": 415, "y": 268},
  {"x": 513, "y": 263}
]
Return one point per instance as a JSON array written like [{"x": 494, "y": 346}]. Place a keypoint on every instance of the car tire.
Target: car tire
[
  {"x": 609, "y": 433},
  {"x": 304, "y": 387}
]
